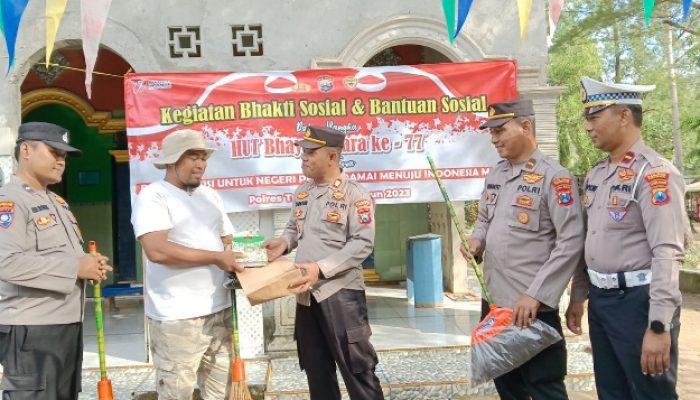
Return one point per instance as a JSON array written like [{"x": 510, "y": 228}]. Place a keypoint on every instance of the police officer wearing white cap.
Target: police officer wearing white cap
[
  {"x": 634, "y": 246},
  {"x": 43, "y": 269}
]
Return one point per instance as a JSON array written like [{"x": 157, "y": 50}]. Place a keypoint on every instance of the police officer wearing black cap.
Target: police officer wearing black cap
[
  {"x": 332, "y": 228},
  {"x": 530, "y": 231},
  {"x": 43, "y": 269}
]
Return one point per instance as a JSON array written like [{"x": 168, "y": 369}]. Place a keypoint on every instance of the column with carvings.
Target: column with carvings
[
  {"x": 279, "y": 314},
  {"x": 10, "y": 119},
  {"x": 282, "y": 342},
  {"x": 532, "y": 85}
]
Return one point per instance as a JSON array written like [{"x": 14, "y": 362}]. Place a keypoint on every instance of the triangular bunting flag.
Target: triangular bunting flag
[
  {"x": 686, "y": 8},
  {"x": 648, "y": 10},
  {"x": 555, "y": 7},
  {"x": 462, "y": 13},
  {"x": 93, "y": 17},
  {"x": 12, "y": 11},
  {"x": 524, "y": 8},
  {"x": 2, "y": 24},
  {"x": 54, "y": 14},
  {"x": 448, "y": 7}
]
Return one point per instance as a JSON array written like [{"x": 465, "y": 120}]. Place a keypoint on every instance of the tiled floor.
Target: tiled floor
[
  {"x": 395, "y": 323},
  {"x": 124, "y": 334}
]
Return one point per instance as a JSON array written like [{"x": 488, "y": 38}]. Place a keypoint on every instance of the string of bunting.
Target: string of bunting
[
  {"x": 459, "y": 10},
  {"x": 85, "y": 70},
  {"x": 94, "y": 15}
]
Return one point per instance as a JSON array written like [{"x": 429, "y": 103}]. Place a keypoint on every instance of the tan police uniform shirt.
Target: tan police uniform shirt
[
  {"x": 530, "y": 225},
  {"x": 40, "y": 244},
  {"x": 636, "y": 230},
  {"x": 332, "y": 225}
]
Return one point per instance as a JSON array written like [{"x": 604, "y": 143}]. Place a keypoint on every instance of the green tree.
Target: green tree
[{"x": 608, "y": 40}]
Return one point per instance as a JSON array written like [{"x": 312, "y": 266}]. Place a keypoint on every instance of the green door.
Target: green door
[{"x": 395, "y": 224}]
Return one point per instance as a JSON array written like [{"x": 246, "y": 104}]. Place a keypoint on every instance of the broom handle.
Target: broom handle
[
  {"x": 97, "y": 297},
  {"x": 460, "y": 231},
  {"x": 228, "y": 246},
  {"x": 234, "y": 324}
]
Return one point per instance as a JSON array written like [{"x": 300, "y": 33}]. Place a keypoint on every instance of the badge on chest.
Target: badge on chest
[{"x": 333, "y": 216}]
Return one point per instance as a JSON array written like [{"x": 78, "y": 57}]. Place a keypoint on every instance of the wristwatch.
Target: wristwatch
[{"x": 659, "y": 327}]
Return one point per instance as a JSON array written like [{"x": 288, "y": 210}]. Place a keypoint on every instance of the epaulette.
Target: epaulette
[{"x": 655, "y": 160}]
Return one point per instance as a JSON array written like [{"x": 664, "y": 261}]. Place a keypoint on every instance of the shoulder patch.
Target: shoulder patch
[
  {"x": 659, "y": 187},
  {"x": 7, "y": 214},
  {"x": 363, "y": 203},
  {"x": 364, "y": 215},
  {"x": 563, "y": 188},
  {"x": 561, "y": 181}
]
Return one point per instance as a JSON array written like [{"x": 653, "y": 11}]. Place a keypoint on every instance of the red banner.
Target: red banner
[{"x": 392, "y": 117}]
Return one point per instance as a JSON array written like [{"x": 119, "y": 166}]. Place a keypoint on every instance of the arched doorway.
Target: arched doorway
[
  {"x": 397, "y": 222},
  {"x": 96, "y": 184},
  {"x": 409, "y": 54}
]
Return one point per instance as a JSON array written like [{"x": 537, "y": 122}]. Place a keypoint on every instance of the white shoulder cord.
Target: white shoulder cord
[{"x": 636, "y": 183}]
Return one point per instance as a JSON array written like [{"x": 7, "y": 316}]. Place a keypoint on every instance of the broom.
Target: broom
[
  {"x": 497, "y": 346},
  {"x": 104, "y": 386},
  {"x": 239, "y": 388},
  {"x": 462, "y": 235}
]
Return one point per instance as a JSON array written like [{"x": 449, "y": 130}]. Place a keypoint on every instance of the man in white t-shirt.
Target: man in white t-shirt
[{"x": 181, "y": 226}]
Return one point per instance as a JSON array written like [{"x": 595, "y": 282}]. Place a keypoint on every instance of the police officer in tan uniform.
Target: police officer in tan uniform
[
  {"x": 530, "y": 230},
  {"x": 43, "y": 269},
  {"x": 634, "y": 247},
  {"x": 332, "y": 228}
]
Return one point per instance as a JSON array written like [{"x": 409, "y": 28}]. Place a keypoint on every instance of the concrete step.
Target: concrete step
[
  {"x": 425, "y": 374},
  {"x": 440, "y": 373}
]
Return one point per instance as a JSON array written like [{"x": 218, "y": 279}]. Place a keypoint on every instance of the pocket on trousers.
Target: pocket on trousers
[
  {"x": 361, "y": 354},
  {"x": 33, "y": 382},
  {"x": 167, "y": 380},
  {"x": 38, "y": 338}
]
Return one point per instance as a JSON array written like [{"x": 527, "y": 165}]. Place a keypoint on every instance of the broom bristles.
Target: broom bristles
[
  {"x": 240, "y": 391},
  {"x": 239, "y": 388}
]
